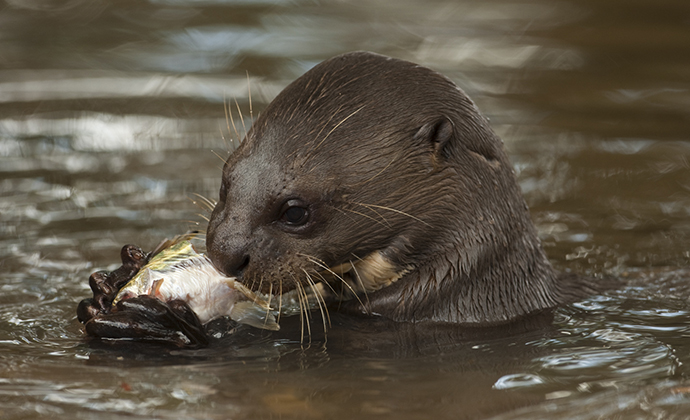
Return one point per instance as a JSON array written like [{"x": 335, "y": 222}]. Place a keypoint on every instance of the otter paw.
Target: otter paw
[
  {"x": 148, "y": 319},
  {"x": 105, "y": 285}
]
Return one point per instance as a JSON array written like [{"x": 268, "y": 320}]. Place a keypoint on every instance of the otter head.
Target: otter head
[{"x": 382, "y": 175}]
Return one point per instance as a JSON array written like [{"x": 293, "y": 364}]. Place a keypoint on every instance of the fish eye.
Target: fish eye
[{"x": 295, "y": 213}]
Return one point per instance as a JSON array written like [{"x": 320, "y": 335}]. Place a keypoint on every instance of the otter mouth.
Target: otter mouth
[
  {"x": 344, "y": 281},
  {"x": 362, "y": 276}
]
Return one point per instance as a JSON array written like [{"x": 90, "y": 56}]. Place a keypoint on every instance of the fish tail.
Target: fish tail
[{"x": 248, "y": 312}]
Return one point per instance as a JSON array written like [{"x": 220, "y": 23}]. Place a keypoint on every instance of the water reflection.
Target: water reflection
[
  {"x": 101, "y": 133},
  {"x": 46, "y": 85},
  {"x": 112, "y": 117}
]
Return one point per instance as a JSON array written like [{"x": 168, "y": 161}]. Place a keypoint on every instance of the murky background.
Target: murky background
[{"x": 112, "y": 120}]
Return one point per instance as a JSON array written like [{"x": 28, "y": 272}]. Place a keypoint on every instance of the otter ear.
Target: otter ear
[{"x": 437, "y": 134}]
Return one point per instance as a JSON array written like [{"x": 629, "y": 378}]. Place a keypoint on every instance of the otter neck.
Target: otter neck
[{"x": 499, "y": 285}]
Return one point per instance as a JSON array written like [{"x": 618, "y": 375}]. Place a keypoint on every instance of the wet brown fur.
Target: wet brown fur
[{"x": 403, "y": 178}]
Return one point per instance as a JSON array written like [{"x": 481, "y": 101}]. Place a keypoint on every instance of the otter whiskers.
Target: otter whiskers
[
  {"x": 338, "y": 125},
  {"x": 369, "y": 206},
  {"x": 384, "y": 222},
  {"x": 205, "y": 202},
  {"x": 268, "y": 309},
  {"x": 303, "y": 310},
  {"x": 321, "y": 302},
  {"x": 327, "y": 269},
  {"x": 359, "y": 280}
]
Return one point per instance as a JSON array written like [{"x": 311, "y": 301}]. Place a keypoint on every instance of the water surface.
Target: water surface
[{"x": 113, "y": 123}]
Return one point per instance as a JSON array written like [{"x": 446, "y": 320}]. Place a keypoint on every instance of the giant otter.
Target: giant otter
[
  {"x": 382, "y": 177},
  {"x": 385, "y": 171}
]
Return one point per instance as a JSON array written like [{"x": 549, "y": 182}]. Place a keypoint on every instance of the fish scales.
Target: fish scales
[{"x": 179, "y": 272}]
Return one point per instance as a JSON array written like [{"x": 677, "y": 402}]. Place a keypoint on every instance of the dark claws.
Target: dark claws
[
  {"x": 142, "y": 317},
  {"x": 106, "y": 285},
  {"x": 147, "y": 318}
]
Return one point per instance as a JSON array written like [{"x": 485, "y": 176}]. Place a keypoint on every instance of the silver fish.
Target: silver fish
[{"x": 179, "y": 272}]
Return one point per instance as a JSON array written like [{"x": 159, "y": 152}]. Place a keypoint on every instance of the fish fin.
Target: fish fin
[
  {"x": 156, "y": 287},
  {"x": 249, "y": 313},
  {"x": 142, "y": 277},
  {"x": 252, "y": 296},
  {"x": 167, "y": 243},
  {"x": 177, "y": 253}
]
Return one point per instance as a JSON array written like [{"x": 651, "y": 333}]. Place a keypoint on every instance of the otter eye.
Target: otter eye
[{"x": 295, "y": 215}]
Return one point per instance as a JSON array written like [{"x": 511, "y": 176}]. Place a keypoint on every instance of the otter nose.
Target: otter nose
[
  {"x": 231, "y": 263},
  {"x": 234, "y": 265},
  {"x": 228, "y": 254}
]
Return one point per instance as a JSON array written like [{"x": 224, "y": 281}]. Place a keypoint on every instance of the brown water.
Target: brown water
[{"x": 112, "y": 119}]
